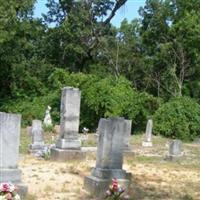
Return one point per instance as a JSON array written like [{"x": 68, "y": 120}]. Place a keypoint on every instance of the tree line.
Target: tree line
[{"x": 148, "y": 67}]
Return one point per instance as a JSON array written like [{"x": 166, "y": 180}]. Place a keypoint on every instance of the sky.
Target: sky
[{"x": 129, "y": 11}]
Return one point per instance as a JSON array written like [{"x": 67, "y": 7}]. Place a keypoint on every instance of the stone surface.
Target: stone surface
[
  {"x": 65, "y": 155},
  {"x": 10, "y": 125},
  {"x": 69, "y": 122},
  {"x": 127, "y": 135},
  {"x": 98, "y": 187},
  {"x": 9, "y": 139},
  {"x": 175, "y": 150},
  {"x": 109, "y": 157},
  {"x": 47, "y": 119},
  {"x": 37, "y": 137},
  {"x": 148, "y": 134},
  {"x": 68, "y": 145}
]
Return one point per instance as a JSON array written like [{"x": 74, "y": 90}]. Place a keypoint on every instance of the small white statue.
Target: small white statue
[
  {"x": 85, "y": 130},
  {"x": 47, "y": 119}
]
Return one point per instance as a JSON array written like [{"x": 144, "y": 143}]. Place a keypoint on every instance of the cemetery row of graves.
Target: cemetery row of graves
[{"x": 73, "y": 166}]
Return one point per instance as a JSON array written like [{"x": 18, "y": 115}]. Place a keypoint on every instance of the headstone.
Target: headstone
[
  {"x": 47, "y": 119},
  {"x": 109, "y": 157},
  {"x": 175, "y": 150},
  {"x": 68, "y": 146},
  {"x": 127, "y": 135},
  {"x": 10, "y": 125},
  {"x": 37, "y": 137},
  {"x": 148, "y": 134}
]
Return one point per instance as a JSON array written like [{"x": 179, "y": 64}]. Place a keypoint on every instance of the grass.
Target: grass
[{"x": 153, "y": 177}]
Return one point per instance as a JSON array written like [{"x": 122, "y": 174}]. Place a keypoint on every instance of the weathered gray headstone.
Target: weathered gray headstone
[
  {"x": 109, "y": 157},
  {"x": 37, "y": 137},
  {"x": 47, "y": 119},
  {"x": 10, "y": 125},
  {"x": 68, "y": 146},
  {"x": 148, "y": 134},
  {"x": 175, "y": 150},
  {"x": 127, "y": 135}
]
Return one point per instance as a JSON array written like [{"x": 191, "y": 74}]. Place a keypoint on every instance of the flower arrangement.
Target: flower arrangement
[
  {"x": 114, "y": 192},
  {"x": 8, "y": 192}
]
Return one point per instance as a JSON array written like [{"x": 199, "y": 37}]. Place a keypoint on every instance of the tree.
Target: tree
[
  {"x": 80, "y": 27},
  {"x": 169, "y": 32},
  {"x": 19, "y": 41}
]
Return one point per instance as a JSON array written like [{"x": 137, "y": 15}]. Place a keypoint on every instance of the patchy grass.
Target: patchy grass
[
  {"x": 91, "y": 141},
  {"x": 153, "y": 178},
  {"x": 25, "y": 141}
]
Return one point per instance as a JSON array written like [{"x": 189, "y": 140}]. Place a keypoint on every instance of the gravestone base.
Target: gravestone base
[
  {"x": 110, "y": 173},
  {"x": 34, "y": 148},
  {"x": 67, "y": 154},
  {"x": 127, "y": 148},
  {"x": 147, "y": 144},
  {"x": 10, "y": 175},
  {"x": 98, "y": 186},
  {"x": 174, "y": 157},
  {"x": 14, "y": 176},
  {"x": 22, "y": 190},
  {"x": 128, "y": 153},
  {"x": 68, "y": 144}
]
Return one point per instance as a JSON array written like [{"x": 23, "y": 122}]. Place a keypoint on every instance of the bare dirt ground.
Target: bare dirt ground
[{"x": 153, "y": 177}]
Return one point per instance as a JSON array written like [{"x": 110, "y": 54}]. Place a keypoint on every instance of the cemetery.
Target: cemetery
[
  {"x": 100, "y": 100},
  {"x": 56, "y": 164}
]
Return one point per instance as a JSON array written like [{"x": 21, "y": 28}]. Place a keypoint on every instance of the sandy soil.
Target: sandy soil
[{"x": 153, "y": 178}]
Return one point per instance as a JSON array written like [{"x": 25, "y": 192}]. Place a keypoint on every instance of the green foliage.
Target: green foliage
[
  {"x": 178, "y": 118},
  {"x": 106, "y": 97},
  {"x": 120, "y": 71},
  {"x": 34, "y": 108},
  {"x": 142, "y": 107}
]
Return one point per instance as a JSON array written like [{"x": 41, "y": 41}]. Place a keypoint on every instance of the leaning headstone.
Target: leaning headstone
[
  {"x": 109, "y": 158},
  {"x": 175, "y": 150},
  {"x": 37, "y": 137},
  {"x": 148, "y": 134},
  {"x": 47, "y": 119},
  {"x": 10, "y": 125},
  {"x": 127, "y": 135},
  {"x": 68, "y": 146}
]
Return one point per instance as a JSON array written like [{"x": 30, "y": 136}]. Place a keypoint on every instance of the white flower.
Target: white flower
[
  {"x": 11, "y": 187},
  {"x": 2, "y": 198},
  {"x": 17, "y": 197}
]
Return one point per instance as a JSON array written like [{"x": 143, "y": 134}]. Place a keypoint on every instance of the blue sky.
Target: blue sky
[{"x": 129, "y": 11}]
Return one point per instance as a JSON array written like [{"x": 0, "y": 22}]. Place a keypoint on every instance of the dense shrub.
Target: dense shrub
[
  {"x": 142, "y": 107},
  {"x": 106, "y": 97},
  {"x": 178, "y": 118},
  {"x": 34, "y": 108}
]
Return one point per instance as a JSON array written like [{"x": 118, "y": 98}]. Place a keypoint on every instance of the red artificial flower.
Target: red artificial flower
[
  {"x": 5, "y": 187},
  {"x": 9, "y": 196},
  {"x": 115, "y": 184}
]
